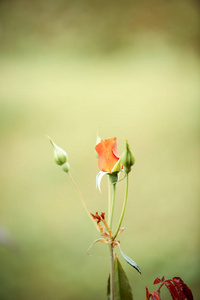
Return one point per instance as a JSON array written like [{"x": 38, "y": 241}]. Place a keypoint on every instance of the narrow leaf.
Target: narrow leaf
[
  {"x": 178, "y": 288},
  {"x": 157, "y": 280},
  {"x": 131, "y": 262},
  {"x": 187, "y": 292},
  {"x": 122, "y": 287},
  {"x": 108, "y": 288},
  {"x": 182, "y": 288},
  {"x": 172, "y": 289},
  {"x": 148, "y": 295},
  {"x": 163, "y": 278}
]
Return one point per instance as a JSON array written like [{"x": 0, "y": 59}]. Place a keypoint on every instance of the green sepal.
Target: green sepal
[
  {"x": 113, "y": 177},
  {"x": 117, "y": 167},
  {"x": 66, "y": 167},
  {"x": 122, "y": 287}
]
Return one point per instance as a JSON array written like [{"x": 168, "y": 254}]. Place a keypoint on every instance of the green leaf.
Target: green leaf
[
  {"x": 122, "y": 287},
  {"x": 108, "y": 288},
  {"x": 130, "y": 262}
]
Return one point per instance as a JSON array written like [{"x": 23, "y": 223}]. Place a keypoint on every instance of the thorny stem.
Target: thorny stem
[
  {"x": 83, "y": 201},
  {"x": 112, "y": 282},
  {"x": 123, "y": 209},
  {"x": 113, "y": 205}
]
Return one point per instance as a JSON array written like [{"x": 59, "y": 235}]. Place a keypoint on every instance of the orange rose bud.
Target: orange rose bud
[{"x": 108, "y": 155}]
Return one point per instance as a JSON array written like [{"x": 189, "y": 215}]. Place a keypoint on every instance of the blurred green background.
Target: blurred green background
[{"x": 70, "y": 69}]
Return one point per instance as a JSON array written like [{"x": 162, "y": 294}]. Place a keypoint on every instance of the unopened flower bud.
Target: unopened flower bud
[
  {"x": 59, "y": 154},
  {"x": 66, "y": 167},
  {"x": 127, "y": 159}
]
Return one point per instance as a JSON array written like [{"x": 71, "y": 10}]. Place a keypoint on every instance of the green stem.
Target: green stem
[
  {"x": 109, "y": 200},
  {"x": 113, "y": 205},
  {"x": 112, "y": 281},
  {"x": 123, "y": 209},
  {"x": 83, "y": 201}
]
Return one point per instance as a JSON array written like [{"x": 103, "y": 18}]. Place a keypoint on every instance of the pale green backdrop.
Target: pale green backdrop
[{"x": 72, "y": 69}]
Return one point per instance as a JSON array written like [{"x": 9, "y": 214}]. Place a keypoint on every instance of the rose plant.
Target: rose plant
[{"x": 112, "y": 164}]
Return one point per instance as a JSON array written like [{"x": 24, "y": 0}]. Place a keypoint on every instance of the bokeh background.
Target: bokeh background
[{"x": 70, "y": 69}]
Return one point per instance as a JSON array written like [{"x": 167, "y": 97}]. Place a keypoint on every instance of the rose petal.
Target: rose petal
[{"x": 108, "y": 154}]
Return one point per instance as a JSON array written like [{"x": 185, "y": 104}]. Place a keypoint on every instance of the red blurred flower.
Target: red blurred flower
[{"x": 108, "y": 154}]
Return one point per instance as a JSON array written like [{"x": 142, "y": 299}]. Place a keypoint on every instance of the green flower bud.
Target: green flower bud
[
  {"x": 59, "y": 154},
  {"x": 66, "y": 167},
  {"x": 127, "y": 159}
]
